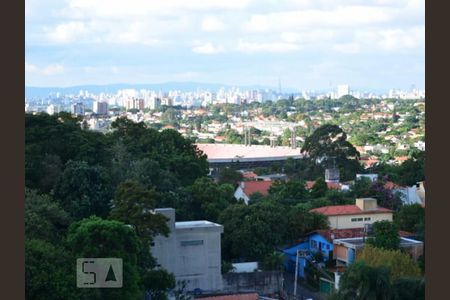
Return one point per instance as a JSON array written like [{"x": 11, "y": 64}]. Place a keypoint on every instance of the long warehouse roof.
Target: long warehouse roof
[{"x": 228, "y": 152}]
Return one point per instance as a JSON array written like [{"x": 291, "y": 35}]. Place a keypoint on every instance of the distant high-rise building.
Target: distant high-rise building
[
  {"x": 78, "y": 109},
  {"x": 100, "y": 108},
  {"x": 51, "y": 109},
  {"x": 167, "y": 101},
  {"x": 342, "y": 90},
  {"x": 134, "y": 104},
  {"x": 154, "y": 103}
]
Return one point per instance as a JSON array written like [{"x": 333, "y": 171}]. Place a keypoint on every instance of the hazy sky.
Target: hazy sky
[{"x": 307, "y": 44}]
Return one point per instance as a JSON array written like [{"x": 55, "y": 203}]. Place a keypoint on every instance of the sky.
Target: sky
[{"x": 306, "y": 44}]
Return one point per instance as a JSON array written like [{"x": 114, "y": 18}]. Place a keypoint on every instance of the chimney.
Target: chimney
[
  {"x": 366, "y": 204},
  {"x": 170, "y": 214}
]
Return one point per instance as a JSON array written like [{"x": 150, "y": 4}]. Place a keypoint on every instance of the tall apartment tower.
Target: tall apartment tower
[
  {"x": 100, "y": 108},
  {"x": 78, "y": 109}
]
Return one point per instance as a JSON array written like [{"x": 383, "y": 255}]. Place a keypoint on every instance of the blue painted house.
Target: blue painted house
[
  {"x": 315, "y": 242},
  {"x": 308, "y": 248}
]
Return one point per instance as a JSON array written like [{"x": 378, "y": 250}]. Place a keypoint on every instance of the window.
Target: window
[
  {"x": 313, "y": 244},
  {"x": 192, "y": 243},
  {"x": 367, "y": 219},
  {"x": 357, "y": 219}
]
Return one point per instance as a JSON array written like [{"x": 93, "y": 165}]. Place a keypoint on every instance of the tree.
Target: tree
[
  {"x": 83, "y": 190},
  {"x": 209, "y": 199},
  {"x": 252, "y": 232},
  {"x": 385, "y": 235},
  {"x": 385, "y": 197},
  {"x": 289, "y": 193},
  {"x": 158, "y": 282},
  {"x": 229, "y": 176},
  {"x": 328, "y": 145},
  {"x": 319, "y": 189},
  {"x": 46, "y": 272},
  {"x": 95, "y": 237},
  {"x": 408, "y": 289},
  {"x": 362, "y": 282},
  {"x": 273, "y": 261},
  {"x": 255, "y": 197},
  {"x": 290, "y": 167},
  {"x": 328, "y": 142},
  {"x": 400, "y": 264},
  {"x": 361, "y": 187},
  {"x": 44, "y": 218},
  {"x": 411, "y": 218},
  {"x": 301, "y": 222},
  {"x": 134, "y": 204}
]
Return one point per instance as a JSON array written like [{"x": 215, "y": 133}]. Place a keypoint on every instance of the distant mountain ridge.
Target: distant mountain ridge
[{"x": 164, "y": 87}]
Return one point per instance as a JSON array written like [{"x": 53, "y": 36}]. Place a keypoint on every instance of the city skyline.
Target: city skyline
[{"x": 304, "y": 44}]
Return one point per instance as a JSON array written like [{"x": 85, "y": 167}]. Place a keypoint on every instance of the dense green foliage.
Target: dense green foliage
[
  {"x": 253, "y": 232},
  {"x": 400, "y": 264},
  {"x": 385, "y": 235},
  {"x": 411, "y": 218},
  {"x": 75, "y": 177}
]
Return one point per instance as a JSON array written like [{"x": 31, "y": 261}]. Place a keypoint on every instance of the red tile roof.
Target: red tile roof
[
  {"x": 391, "y": 185},
  {"x": 248, "y": 296},
  {"x": 338, "y": 210},
  {"x": 262, "y": 187}
]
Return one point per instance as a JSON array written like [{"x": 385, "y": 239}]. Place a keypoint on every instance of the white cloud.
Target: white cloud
[
  {"x": 48, "y": 70},
  {"x": 53, "y": 69},
  {"x": 208, "y": 48},
  {"x": 393, "y": 39},
  {"x": 30, "y": 68},
  {"x": 146, "y": 8},
  {"x": 275, "y": 47},
  {"x": 212, "y": 24},
  {"x": 66, "y": 32},
  {"x": 290, "y": 37},
  {"x": 348, "y": 48}
]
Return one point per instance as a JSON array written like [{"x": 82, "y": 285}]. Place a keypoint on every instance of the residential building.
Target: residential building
[
  {"x": 346, "y": 250},
  {"x": 154, "y": 103},
  {"x": 167, "y": 101},
  {"x": 78, "y": 109},
  {"x": 364, "y": 211},
  {"x": 134, "y": 103},
  {"x": 247, "y": 188},
  {"x": 340, "y": 244},
  {"x": 100, "y": 108},
  {"x": 192, "y": 252}
]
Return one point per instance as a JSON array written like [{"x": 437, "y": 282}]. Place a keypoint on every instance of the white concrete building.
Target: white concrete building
[{"x": 192, "y": 252}]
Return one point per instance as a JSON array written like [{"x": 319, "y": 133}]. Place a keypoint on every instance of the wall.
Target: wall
[
  {"x": 197, "y": 263},
  {"x": 344, "y": 222},
  {"x": 326, "y": 246},
  {"x": 265, "y": 283},
  {"x": 340, "y": 252},
  {"x": 239, "y": 194}
]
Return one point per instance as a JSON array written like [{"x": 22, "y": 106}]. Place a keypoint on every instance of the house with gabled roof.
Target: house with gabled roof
[
  {"x": 247, "y": 188},
  {"x": 364, "y": 211}
]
